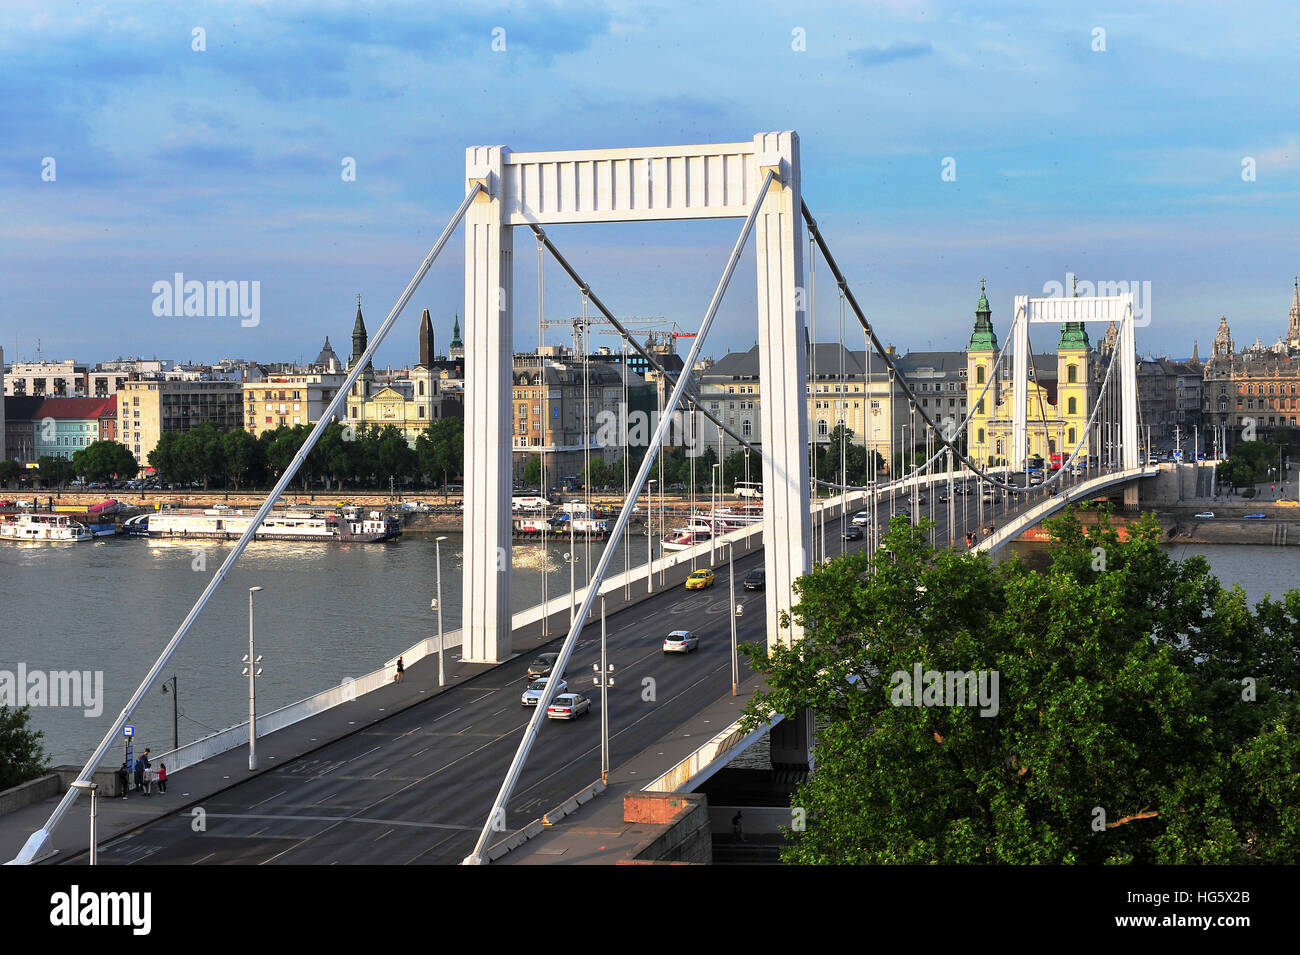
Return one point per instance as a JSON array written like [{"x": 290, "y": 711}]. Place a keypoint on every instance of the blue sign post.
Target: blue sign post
[{"x": 128, "y": 734}]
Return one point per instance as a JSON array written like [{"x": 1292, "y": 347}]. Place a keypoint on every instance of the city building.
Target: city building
[
  {"x": 288, "y": 399},
  {"x": 1255, "y": 391},
  {"x": 46, "y": 379},
  {"x": 1060, "y": 394},
  {"x": 408, "y": 399},
  {"x": 4, "y": 448},
  {"x": 20, "y": 430},
  {"x": 147, "y": 408},
  {"x": 64, "y": 426},
  {"x": 844, "y": 387},
  {"x": 569, "y": 412}
]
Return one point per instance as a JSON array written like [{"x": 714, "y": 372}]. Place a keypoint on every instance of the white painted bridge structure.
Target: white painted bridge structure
[{"x": 757, "y": 181}]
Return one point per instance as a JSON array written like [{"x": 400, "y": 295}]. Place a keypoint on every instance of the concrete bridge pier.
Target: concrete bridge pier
[
  {"x": 790, "y": 742},
  {"x": 1131, "y": 496}
]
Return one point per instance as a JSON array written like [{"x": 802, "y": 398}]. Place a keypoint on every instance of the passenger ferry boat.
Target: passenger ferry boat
[
  {"x": 43, "y": 528},
  {"x": 681, "y": 538},
  {"x": 348, "y": 526}
]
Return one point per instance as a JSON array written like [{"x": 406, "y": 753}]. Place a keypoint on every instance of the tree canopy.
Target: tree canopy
[
  {"x": 1144, "y": 714},
  {"x": 22, "y": 757}
]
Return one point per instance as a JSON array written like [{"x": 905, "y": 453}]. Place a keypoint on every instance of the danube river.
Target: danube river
[{"x": 327, "y": 612}]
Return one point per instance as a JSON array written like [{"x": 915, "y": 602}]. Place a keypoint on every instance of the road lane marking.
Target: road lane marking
[{"x": 268, "y": 799}]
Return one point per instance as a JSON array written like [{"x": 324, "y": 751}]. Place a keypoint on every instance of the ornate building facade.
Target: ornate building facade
[{"x": 1254, "y": 392}]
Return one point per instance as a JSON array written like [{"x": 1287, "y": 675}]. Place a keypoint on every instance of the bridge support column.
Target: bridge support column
[
  {"x": 783, "y": 362},
  {"x": 1131, "y": 496},
  {"x": 1128, "y": 393},
  {"x": 790, "y": 742},
  {"x": 1019, "y": 384},
  {"x": 489, "y": 356}
]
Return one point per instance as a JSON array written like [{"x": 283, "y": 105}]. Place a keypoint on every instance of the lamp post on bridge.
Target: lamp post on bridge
[
  {"x": 604, "y": 679},
  {"x": 93, "y": 789},
  {"x": 175, "y": 709},
  {"x": 437, "y": 603},
  {"x": 252, "y": 671}
]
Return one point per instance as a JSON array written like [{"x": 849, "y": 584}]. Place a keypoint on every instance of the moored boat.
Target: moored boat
[
  {"x": 43, "y": 528},
  {"x": 350, "y": 525}
]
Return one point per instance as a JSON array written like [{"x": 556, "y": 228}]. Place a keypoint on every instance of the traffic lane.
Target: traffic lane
[{"x": 325, "y": 783}]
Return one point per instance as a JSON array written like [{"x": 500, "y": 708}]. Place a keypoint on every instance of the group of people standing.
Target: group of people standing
[{"x": 144, "y": 776}]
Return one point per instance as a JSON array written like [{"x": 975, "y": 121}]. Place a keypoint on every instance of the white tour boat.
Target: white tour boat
[{"x": 43, "y": 528}]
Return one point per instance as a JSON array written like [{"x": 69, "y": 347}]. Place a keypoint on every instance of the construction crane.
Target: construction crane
[{"x": 581, "y": 336}]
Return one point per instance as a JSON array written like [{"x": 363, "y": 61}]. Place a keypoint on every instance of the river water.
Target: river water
[{"x": 327, "y": 612}]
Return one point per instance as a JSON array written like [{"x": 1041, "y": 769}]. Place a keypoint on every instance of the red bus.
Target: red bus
[{"x": 1057, "y": 460}]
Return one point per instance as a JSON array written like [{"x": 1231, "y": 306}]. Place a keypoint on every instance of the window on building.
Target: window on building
[
  {"x": 1072, "y": 374},
  {"x": 745, "y": 428},
  {"x": 1072, "y": 406},
  {"x": 821, "y": 427},
  {"x": 979, "y": 374}
]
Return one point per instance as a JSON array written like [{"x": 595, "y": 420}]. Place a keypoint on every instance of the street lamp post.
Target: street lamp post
[
  {"x": 734, "y": 610},
  {"x": 175, "y": 704},
  {"x": 571, "y": 558},
  {"x": 437, "y": 550},
  {"x": 713, "y": 524},
  {"x": 252, "y": 671},
  {"x": 604, "y": 679},
  {"x": 93, "y": 789}
]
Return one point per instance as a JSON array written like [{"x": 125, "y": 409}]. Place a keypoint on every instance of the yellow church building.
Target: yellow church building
[{"x": 1060, "y": 392}]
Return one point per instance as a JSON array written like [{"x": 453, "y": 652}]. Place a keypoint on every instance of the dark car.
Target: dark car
[
  {"x": 542, "y": 665},
  {"x": 852, "y": 533},
  {"x": 755, "y": 579}
]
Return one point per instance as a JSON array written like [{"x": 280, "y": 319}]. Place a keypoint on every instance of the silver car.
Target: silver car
[
  {"x": 533, "y": 695},
  {"x": 681, "y": 641},
  {"x": 568, "y": 706}
]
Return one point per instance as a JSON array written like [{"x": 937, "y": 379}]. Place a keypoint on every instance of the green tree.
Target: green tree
[
  {"x": 241, "y": 456},
  {"x": 440, "y": 450},
  {"x": 533, "y": 470},
  {"x": 396, "y": 459},
  {"x": 597, "y": 472},
  {"x": 105, "y": 460},
  {"x": 55, "y": 471},
  {"x": 9, "y": 469},
  {"x": 22, "y": 755},
  {"x": 1121, "y": 732}
]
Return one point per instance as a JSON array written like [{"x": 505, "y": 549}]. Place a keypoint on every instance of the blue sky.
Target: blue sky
[{"x": 225, "y": 163}]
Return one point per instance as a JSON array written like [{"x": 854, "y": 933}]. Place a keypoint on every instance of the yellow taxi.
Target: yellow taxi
[{"x": 699, "y": 580}]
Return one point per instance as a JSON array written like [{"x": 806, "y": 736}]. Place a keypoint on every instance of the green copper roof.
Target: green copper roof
[
  {"x": 1073, "y": 335},
  {"x": 982, "y": 337},
  {"x": 455, "y": 333}
]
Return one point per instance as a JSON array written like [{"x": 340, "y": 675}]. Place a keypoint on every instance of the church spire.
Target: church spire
[
  {"x": 1293, "y": 329},
  {"x": 1073, "y": 334},
  {"x": 982, "y": 337},
  {"x": 457, "y": 347},
  {"x": 359, "y": 339},
  {"x": 427, "y": 353}
]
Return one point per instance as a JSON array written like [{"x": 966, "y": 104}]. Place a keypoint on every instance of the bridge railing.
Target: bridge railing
[{"x": 1069, "y": 495}]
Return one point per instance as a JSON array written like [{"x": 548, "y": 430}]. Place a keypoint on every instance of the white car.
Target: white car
[
  {"x": 681, "y": 641},
  {"x": 1205, "y": 515},
  {"x": 568, "y": 706},
  {"x": 533, "y": 695},
  {"x": 862, "y": 518}
]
